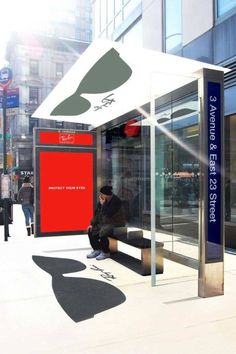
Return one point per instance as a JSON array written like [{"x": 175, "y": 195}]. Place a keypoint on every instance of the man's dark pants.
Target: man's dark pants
[{"x": 99, "y": 239}]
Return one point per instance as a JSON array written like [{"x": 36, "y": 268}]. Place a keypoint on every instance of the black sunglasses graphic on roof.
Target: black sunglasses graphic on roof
[{"x": 107, "y": 74}]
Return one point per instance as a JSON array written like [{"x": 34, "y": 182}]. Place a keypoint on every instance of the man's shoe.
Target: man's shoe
[
  {"x": 93, "y": 254},
  {"x": 102, "y": 256}
]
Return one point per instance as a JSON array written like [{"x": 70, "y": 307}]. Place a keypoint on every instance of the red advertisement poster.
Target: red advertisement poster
[
  {"x": 66, "y": 138},
  {"x": 66, "y": 190}
]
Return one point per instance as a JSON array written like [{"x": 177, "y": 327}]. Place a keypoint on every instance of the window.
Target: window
[
  {"x": 59, "y": 70},
  {"x": 110, "y": 11},
  {"x": 81, "y": 126},
  {"x": 59, "y": 124},
  {"x": 118, "y": 19},
  {"x": 118, "y": 13},
  {"x": 173, "y": 25},
  {"x": 122, "y": 167},
  {"x": 103, "y": 14},
  {"x": 118, "y": 6},
  {"x": 230, "y": 166},
  {"x": 25, "y": 158},
  {"x": 33, "y": 95},
  {"x": 130, "y": 6},
  {"x": 135, "y": 35},
  {"x": 224, "y": 6},
  {"x": 97, "y": 19},
  {"x": 34, "y": 67},
  {"x": 33, "y": 122},
  {"x": 84, "y": 36}
]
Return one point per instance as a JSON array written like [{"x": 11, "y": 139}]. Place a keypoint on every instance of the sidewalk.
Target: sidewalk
[{"x": 168, "y": 318}]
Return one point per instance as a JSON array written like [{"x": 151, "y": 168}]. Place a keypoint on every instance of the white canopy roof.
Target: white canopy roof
[{"x": 110, "y": 79}]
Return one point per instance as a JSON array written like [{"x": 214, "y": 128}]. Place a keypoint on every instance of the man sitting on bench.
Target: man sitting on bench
[{"x": 109, "y": 213}]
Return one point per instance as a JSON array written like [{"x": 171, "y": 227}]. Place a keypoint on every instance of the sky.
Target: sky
[{"x": 25, "y": 15}]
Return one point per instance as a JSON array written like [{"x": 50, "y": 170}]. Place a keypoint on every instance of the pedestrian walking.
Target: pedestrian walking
[{"x": 26, "y": 198}]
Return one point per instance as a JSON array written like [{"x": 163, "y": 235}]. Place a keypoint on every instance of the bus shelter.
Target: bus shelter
[{"x": 180, "y": 103}]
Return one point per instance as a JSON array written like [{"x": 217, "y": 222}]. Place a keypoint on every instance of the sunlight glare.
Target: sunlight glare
[
  {"x": 25, "y": 16},
  {"x": 170, "y": 135}
]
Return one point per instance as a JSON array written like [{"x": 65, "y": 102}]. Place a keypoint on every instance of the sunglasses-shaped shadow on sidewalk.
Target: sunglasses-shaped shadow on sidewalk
[{"x": 80, "y": 298}]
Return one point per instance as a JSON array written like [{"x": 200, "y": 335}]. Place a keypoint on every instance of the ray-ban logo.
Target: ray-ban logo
[
  {"x": 66, "y": 138},
  {"x": 107, "y": 74}
]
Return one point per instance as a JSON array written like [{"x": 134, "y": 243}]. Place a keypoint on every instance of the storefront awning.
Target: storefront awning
[{"x": 110, "y": 79}]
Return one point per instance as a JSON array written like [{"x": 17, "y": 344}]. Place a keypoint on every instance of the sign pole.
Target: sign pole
[
  {"x": 211, "y": 211},
  {"x": 5, "y": 200},
  {"x": 5, "y": 81},
  {"x": 4, "y": 128}
]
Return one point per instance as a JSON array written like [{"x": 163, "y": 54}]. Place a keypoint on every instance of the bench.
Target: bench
[{"x": 134, "y": 238}]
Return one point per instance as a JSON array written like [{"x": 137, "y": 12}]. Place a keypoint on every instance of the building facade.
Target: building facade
[
  {"x": 201, "y": 30},
  {"x": 38, "y": 61}
]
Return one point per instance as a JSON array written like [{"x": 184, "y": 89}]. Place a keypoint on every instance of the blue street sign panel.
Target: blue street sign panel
[
  {"x": 214, "y": 238},
  {"x": 5, "y": 77},
  {"x": 12, "y": 98}
]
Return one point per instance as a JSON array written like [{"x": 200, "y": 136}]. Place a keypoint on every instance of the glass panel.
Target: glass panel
[
  {"x": 110, "y": 10},
  {"x": 230, "y": 181},
  {"x": 173, "y": 24},
  {"x": 135, "y": 35},
  {"x": 110, "y": 30},
  {"x": 177, "y": 176},
  {"x": 126, "y": 166},
  {"x": 97, "y": 18},
  {"x": 118, "y": 6},
  {"x": 186, "y": 178},
  {"x": 224, "y": 6},
  {"x": 122, "y": 164},
  {"x": 118, "y": 13},
  {"x": 131, "y": 5},
  {"x": 103, "y": 14},
  {"x": 103, "y": 35},
  {"x": 118, "y": 19}
]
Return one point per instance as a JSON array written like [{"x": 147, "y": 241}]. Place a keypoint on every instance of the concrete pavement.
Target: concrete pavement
[{"x": 168, "y": 318}]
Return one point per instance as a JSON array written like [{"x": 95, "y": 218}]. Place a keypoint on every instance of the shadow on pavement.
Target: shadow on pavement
[
  {"x": 80, "y": 298},
  {"x": 129, "y": 262}
]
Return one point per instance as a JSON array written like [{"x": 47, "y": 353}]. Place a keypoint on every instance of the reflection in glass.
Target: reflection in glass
[
  {"x": 122, "y": 163},
  {"x": 103, "y": 14},
  {"x": 173, "y": 24},
  {"x": 126, "y": 166},
  {"x": 118, "y": 19},
  {"x": 110, "y": 10},
  {"x": 223, "y": 6},
  {"x": 97, "y": 19},
  {"x": 177, "y": 176},
  {"x": 118, "y": 6},
  {"x": 230, "y": 164},
  {"x": 134, "y": 36},
  {"x": 130, "y": 6}
]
